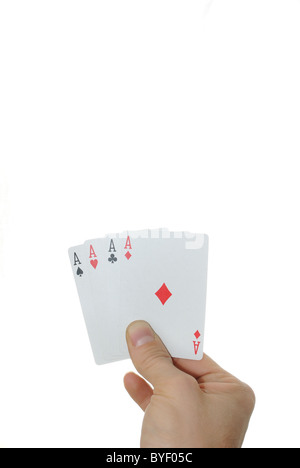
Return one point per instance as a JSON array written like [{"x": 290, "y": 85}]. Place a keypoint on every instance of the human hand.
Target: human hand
[{"x": 194, "y": 404}]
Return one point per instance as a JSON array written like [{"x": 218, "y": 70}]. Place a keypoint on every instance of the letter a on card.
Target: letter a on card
[{"x": 128, "y": 247}]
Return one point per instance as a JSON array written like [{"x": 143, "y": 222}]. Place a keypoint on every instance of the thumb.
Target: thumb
[{"x": 148, "y": 353}]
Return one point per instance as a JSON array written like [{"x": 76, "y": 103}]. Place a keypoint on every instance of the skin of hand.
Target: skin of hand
[{"x": 193, "y": 404}]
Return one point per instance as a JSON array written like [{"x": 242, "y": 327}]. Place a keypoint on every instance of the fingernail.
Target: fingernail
[{"x": 140, "y": 333}]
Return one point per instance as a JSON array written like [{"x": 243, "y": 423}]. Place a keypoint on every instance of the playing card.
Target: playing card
[
  {"x": 94, "y": 327},
  {"x": 157, "y": 276},
  {"x": 165, "y": 284},
  {"x": 103, "y": 257}
]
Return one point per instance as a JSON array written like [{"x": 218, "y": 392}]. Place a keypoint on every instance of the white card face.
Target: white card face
[
  {"x": 80, "y": 271},
  {"x": 165, "y": 284},
  {"x": 103, "y": 259}
]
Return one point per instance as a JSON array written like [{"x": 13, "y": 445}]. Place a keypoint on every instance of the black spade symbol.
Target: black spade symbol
[{"x": 79, "y": 272}]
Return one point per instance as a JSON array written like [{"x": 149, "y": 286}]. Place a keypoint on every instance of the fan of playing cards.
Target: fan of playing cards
[{"x": 153, "y": 275}]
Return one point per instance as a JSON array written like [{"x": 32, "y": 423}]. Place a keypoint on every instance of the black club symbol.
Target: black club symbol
[{"x": 112, "y": 259}]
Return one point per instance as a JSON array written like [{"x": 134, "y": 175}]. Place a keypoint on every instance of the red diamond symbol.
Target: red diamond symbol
[
  {"x": 128, "y": 255},
  {"x": 163, "y": 294},
  {"x": 197, "y": 334}
]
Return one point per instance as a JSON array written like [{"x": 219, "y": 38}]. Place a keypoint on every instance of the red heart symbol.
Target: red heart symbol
[{"x": 94, "y": 263}]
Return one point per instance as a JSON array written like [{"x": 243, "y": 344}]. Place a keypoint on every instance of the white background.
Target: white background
[{"x": 139, "y": 114}]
